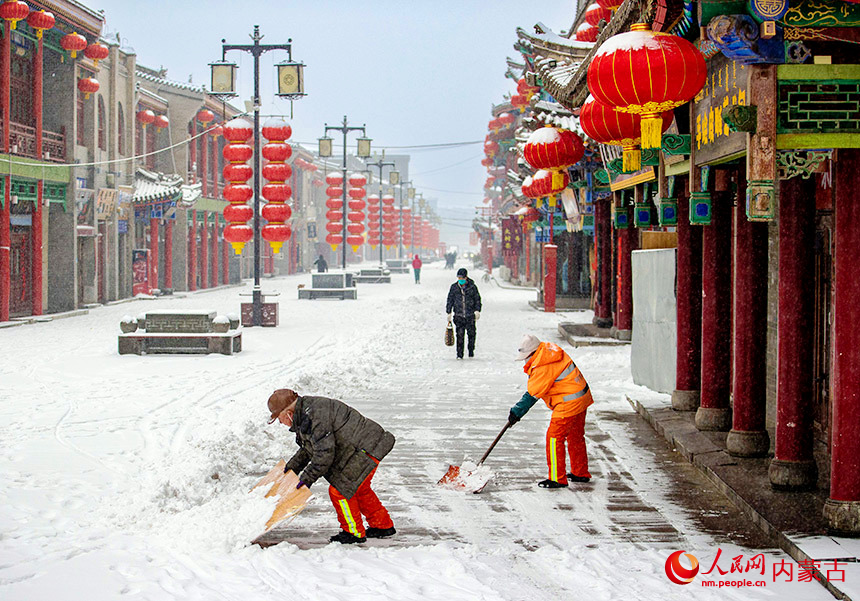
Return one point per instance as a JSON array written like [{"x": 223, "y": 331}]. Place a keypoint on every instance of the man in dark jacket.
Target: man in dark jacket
[
  {"x": 338, "y": 443},
  {"x": 464, "y": 309},
  {"x": 322, "y": 265}
]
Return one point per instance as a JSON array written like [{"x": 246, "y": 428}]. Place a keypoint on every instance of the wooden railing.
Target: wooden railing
[{"x": 22, "y": 142}]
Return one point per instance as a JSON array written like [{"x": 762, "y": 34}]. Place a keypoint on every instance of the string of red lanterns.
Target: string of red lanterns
[
  {"x": 355, "y": 227},
  {"x": 276, "y": 192},
  {"x": 373, "y": 220},
  {"x": 389, "y": 228},
  {"x": 334, "y": 227},
  {"x": 237, "y": 133}
]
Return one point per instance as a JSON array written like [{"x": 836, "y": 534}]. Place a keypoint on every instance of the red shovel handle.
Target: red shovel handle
[{"x": 507, "y": 425}]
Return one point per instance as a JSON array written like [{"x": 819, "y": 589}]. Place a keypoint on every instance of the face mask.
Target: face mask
[{"x": 461, "y": 282}]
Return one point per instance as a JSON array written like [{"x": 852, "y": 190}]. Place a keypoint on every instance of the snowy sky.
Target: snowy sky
[{"x": 415, "y": 72}]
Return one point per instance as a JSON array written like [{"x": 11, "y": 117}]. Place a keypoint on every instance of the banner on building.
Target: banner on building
[
  {"x": 85, "y": 207},
  {"x": 312, "y": 230},
  {"x": 140, "y": 271},
  {"x": 512, "y": 241},
  {"x": 473, "y": 238},
  {"x": 106, "y": 202}
]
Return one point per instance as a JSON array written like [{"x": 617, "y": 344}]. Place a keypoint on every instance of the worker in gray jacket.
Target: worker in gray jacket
[{"x": 338, "y": 443}]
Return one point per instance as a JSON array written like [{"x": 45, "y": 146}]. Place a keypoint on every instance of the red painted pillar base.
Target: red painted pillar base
[
  {"x": 168, "y": 255},
  {"x": 748, "y": 436},
  {"x": 153, "y": 253},
  {"x": 688, "y": 312},
  {"x": 714, "y": 413},
  {"x": 624, "y": 311},
  {"x": 842, "y": 509},
  {"x": 793, "y": 466},
  {"x": 549, "y": 260}
]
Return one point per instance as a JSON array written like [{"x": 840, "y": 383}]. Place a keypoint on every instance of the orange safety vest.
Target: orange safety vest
[{"x": 555, "y": 378}]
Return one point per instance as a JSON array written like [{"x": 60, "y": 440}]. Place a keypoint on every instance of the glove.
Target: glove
[
  {"x": 450, "y": 317},
  {"x": 477, "y": 315},
  {"x": 300, "y": 484},
  {"x": 286, "y": 468},
  {"x": 512, "y": 418}
]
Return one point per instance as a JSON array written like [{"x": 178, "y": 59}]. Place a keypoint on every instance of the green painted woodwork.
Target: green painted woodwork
[
  {"x": 210, "y": 204},
  {"x": 760, "y": 200},
  {"x": 29, "y": 168},
  {"x": 826, "y": 72},
  {"x": 700, "y": 208},
  {"x": 667, "y": 212},
  {"x": 822, "y": 13},
  {"x": 812, "y": 141},
  {"x": 601, "y": 176},
  {"x": 675, "y": 144},
  {"x": 642, "y": 215},
  {"x": 651, "y": 156},
  {"x": 681, "y": 168},
  {"x": 741, "y": 118}
]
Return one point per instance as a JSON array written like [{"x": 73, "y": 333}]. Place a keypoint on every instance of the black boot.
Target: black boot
[
  {"x": 347, "y": 538},
  {"x": 551, "y": 484},
  {"x": 380, "y": 532},
  {"x": 573, "y": 478}
]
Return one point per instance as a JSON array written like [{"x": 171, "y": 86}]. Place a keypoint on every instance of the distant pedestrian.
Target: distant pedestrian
[
  {"x": 416, "y": 267},
  {"x": 337, "y": 443},
  {"x": 464, "y": 309},
  {"x": 555, "y": 378},
  {"x": 322, "y": 265}
]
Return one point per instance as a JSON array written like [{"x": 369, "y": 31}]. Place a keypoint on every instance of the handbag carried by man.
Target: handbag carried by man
[{"x": 449, "y": 334}]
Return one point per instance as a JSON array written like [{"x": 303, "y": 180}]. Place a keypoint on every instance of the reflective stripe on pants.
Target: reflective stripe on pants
[{"x": 568, "y": 431}]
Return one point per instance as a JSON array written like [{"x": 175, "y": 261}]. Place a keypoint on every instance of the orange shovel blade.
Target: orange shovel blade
[{"x": 452, "y": 477}]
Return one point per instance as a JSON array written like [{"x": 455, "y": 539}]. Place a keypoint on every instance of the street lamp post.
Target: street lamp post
[
  {"x": 291, "y": 86},
  {"x": 394, "y": 180},
  {"x": 363, "y": 150},
  {"x": 408, "y": 185}
]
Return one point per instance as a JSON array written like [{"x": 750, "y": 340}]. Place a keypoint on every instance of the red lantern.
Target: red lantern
[
  {"x": 334, "y": 179},
  {"x": 237, "y": 132},
  {"x": 334, "y": 215},
  {"x": 334, "y": 240},
  {"x": 216, "y": 131},
  {"x": 357, "y": 205},
  {"x": 507, "y": 118},
  {"x": 74, "y": 43},
  {"x": 519, "y": 102},
  {"x": 356, "y": 193},
  {"x": 586, "y": 32},
  {"x": 146, "y": 117},
  {"x": 40, "y": 21},
  {"x": 595, "y": 13},
  {"x": 486, "y": 162},
  {"x": 552, "y": 148},
  {"x": 610, "y": 4},
  {"x": 334, "y": 203},
  {"x": 276, "y": 212},
  {"x": 277, "y": 152},
  {"x": 276, "y": 192},
  {"x": 277, "y": 172},
  {"x": 205, "y": 116},
  {"x": 161, "y": 121},
  {"x": 531, "y": 215},
  {"x": 357, "y": 180},
  {"x": 14, "y": 11},
  {"x": 491, "y": 147},
  {"x": 96, "y": 52},
  {"x": 525, "y": 89},
  {"x": 88, "y": 86},
  {"x": 646, "y": 73},
  {"x": 276, "y": 129}
]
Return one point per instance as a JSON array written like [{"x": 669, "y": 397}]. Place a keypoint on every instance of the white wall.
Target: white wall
[{"x": 652, "y": 359}]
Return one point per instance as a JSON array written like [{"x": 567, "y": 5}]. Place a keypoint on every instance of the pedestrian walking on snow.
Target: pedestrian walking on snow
[
  {"x": 337, "y": 443},
  {"x": 464, "y": 309},
  {"x": 416, "y": 267},
  {"x": 322, "y": 265},
  {"x": 555, "y": 378}
]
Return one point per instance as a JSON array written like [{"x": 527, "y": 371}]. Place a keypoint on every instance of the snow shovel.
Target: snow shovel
[{"x": 454, "y": 478}]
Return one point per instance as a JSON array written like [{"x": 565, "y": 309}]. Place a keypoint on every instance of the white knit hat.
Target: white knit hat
[{"x": 528, "y": 345}]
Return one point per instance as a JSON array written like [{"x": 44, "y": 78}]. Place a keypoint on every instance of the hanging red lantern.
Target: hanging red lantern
[
  {"x": 334, "y": 179},
  {"x": 525, "y": 89},
  {"x": 277, "y": 152},
  {"x": 507, "y": 118},
  {"x": 519, "y": 102},
  {"x": 216, "y": 131},
  {"x": 531, "y": 215},
  {"x": 74, "y": 43},
  {"x": 646, "y": 73},
  {"x": 610, "y": 4},
  {"x": 14, "y": 11},
  {"x": 486, "y": 162},
  {"x": 276, "y": 192},
  {"x": 205, "y": 116},
  {"x": 586, "y": 32},
  {"x": 334, "y": 240},
  {"x": 335, "y": 214},
  {"x": 595, "y": 13},
  {"x": 491, "y": 147},
  {"x": 146, "y": 117},
  {"x": 237, "y": 133},
  {"x": 161, "y": 121},
  {"x": 40, "y": 20},
  {"x": 96, "y": 52},
  {"x": 88, "y": 86},
  {"x": 373, "y": 220},
  {"x": 553, "y": 148}
]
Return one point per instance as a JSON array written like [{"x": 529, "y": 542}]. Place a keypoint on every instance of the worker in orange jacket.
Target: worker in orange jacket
[{"x": 555, "y": 378}]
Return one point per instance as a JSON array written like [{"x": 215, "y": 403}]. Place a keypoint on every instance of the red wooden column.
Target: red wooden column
[
  {"x": 36, "y": 279},
  {"x": 748, "y": 436},
  {"x": 550, "y": 258},
  {"x": 528, "y": 246},
  {"x": 153, "y": 253},
  {"x": 688, "y": 309},
  {"x": 628, "y": 242},
  {"x": 793, "y": 466},
  {"x": 842, "y": 509},
  {"x": 204, "y": 248},
  {"x": 213, "y": 253},
  {"x": 168, "y": 254},
  {"x": 225, "y": 259},
  {"x": 714, "y": 412},
  {"x": 192, "y": 251},
  {"x": 603, "y": 241},
  {"x": 204, "y": 163},
  {"x": 5, "y": 213},
  {"x": 192, "y": 148}
]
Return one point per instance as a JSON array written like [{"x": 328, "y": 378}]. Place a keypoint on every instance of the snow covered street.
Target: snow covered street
[{"x": 126, "y": 477}]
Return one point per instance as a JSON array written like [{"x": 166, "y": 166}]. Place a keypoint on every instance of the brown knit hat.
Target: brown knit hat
[{"x": 280, "y": 400}]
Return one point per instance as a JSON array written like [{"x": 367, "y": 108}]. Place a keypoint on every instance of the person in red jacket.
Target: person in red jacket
[
  {"x": 555, "y": 378},
  {"x": 416, "y": 267}
]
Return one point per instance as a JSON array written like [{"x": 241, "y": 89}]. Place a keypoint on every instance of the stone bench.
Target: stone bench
[
  {"x": 398, "y": 265},
  {"x": 179, "y": 332},
  {"x": 330, "y": 285},
  {"x": 373, "y": 276},
  {"x": 341, "y": 293}
]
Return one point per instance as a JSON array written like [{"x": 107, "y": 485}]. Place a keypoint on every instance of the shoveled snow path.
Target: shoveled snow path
[{"x": 127, "y": 477}]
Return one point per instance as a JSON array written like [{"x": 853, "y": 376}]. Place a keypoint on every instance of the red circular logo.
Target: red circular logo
[{"x": 678, "y": 573}]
